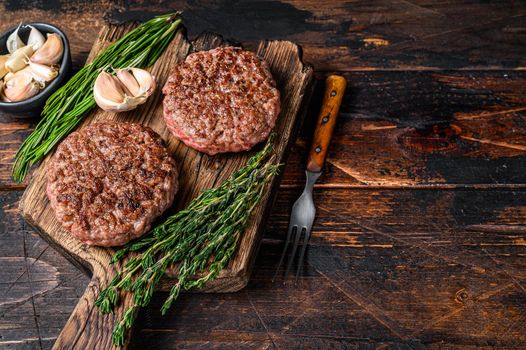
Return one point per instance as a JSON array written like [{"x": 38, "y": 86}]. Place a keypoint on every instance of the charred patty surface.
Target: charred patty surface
[
  {"x": 109, "y": 181},
  {"x": 222, "y": 100}
]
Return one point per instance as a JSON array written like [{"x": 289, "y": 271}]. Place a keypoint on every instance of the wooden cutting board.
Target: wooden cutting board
[{"x": 87, "y": 328}]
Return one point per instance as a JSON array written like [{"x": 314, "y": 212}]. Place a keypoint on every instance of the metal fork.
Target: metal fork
[{"x": 303, "y": 210}]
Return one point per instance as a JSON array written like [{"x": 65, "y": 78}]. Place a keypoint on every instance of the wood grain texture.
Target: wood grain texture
[
  {"x": 396, "y": 269},
  {"x": 402, "y": 129},
  {"x": 426, "y": 129},
  {"x": 38, "y": 287},
  {"x": 87, "y": 328},
  {"x": 336, "y": 35},
  {"x": 421, "y": 230},
  {"x": 420, "y": 268}
]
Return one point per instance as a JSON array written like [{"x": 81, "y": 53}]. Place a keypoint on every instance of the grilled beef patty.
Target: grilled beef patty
[
  {"x": 109, "y": 181},
  {"x": 222, "y": 100}
]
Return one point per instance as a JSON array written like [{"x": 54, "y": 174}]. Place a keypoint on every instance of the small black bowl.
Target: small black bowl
[{"x": 33, "y": 106}]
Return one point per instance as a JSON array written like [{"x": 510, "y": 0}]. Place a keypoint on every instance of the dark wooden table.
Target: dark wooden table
[{"x": 420, "y": 239}]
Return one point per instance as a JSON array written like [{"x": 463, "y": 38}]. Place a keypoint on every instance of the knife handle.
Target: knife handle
[{"x": 332, "y": 100}]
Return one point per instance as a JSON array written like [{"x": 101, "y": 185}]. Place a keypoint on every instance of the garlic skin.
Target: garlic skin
[
  {"x": 41, "y": 72},
  {"x": 3, "y": 69},
  {"x": 36, "y": 39},
  {"x": 18, "y": 59},
  {"x": 126, "y": 90},
  {"x": 21, "y": 87},
  {"x": 51, "y": 52},
  {"x": 14, "y": 42}
]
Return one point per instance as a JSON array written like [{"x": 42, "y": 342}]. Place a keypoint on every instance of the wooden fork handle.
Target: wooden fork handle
[{"x": 332, "y": 100}]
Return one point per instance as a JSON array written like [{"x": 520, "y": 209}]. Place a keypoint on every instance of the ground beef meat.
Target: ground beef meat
[
  {"x": 109, "y": 181},
  {"x": 222, "y": 100}
]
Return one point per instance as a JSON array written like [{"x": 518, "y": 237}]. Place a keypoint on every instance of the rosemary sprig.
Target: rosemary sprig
[
  {"x": 66, "y": 107},
  {"x": 198, "y": 240}
]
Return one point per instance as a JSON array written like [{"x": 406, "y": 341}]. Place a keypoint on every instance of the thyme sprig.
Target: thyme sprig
[
  {"x": 198, "y": 241},
  {"x": 66, "y": 107}
]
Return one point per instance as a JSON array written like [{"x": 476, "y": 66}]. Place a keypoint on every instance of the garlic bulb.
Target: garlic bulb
[
  {"x": 125, "y": 91},
  {"x": 18, "y": 59},
  {"x": 51, "y": 52},
  {"x": 43, "y": 73},
  {"x": 3, "y": 69},
  {"x": 14, "y": 42},
  {"x": 21, "y": 87},
  {"x": 36, "y": 39}
]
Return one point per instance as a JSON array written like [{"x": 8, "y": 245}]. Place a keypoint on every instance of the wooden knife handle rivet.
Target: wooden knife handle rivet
[{"x": 332, "y": 100}]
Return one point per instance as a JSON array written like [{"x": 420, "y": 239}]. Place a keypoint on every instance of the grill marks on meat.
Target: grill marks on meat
[
  {"x": 222, "y": 100},
  {"x": 109, "y": 181}
]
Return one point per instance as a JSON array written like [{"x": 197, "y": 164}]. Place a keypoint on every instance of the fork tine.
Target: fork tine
[
  {"x": 294, "y": 249},
  {"x": 285, "y": 248},
  {"x": 302, "y": 255}
]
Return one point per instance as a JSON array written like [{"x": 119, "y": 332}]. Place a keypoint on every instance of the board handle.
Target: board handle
[
  {"x": 332, "y": 100},
  {"x": 87, "y": 328}
]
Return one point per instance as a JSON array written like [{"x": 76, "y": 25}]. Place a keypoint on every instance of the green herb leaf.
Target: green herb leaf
[
  {"x": 198, "y": 240},
  {"x": 66, "y": 107}
]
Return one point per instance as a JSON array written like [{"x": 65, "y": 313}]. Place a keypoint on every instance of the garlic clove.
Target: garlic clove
[
  {"x": 36, "y": 39},
  {"x": 18, "y": 59},
  {"x": 128, "y": 80},
  {"x": 146, "y": 81},
  {"x": 23, "y": 75},
  {"x": 8, "y": 77},
  {"x": 3, "y": 69},
  {"x": 108, "y": 91},
  {"x": 30, "y": 74},
  {"x": 137, "y": 81},
  {"x": 125, "y": 91},
  {"x": 51, "y": 52},
  {"x": 21, "y": 87},
  {"x": 43, "y": 73},
  {"x": 14, "y": 42}
]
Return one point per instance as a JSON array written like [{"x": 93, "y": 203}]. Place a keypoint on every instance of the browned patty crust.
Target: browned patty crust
[
  {"x": 109, "y": 181},
  {"x": 222, "y": 100}
]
